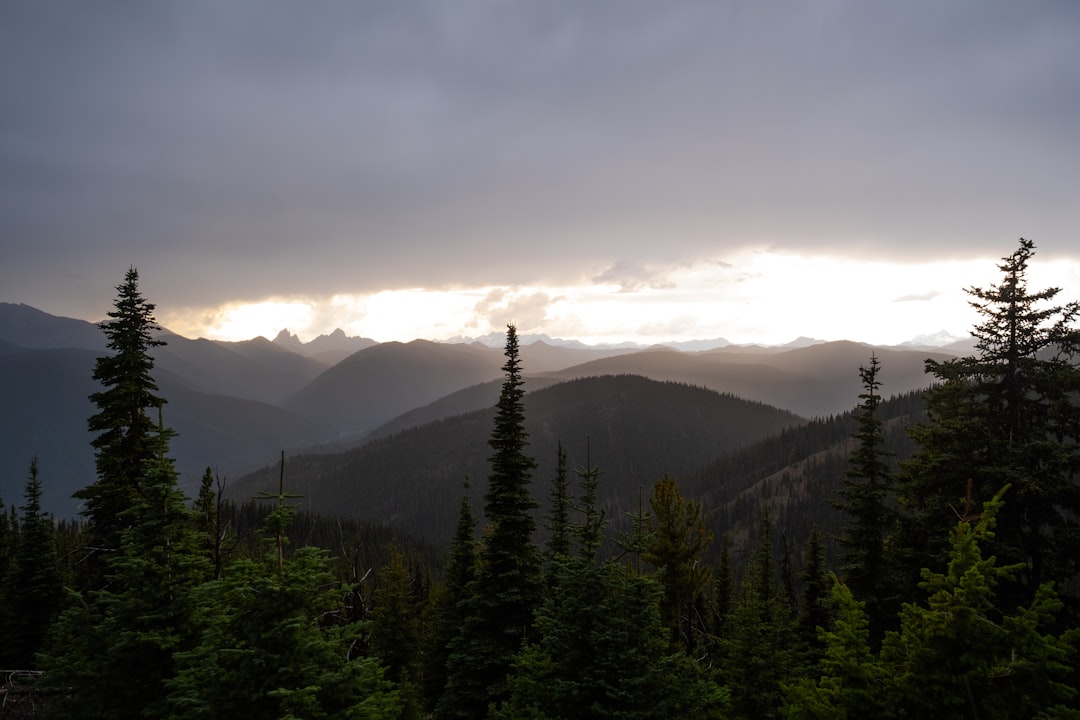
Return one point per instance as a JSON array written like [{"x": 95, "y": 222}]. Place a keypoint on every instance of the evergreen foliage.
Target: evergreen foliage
[
  {"x": 264, "y": 653},
  {"x": 1007, "y": 415},
  {"x": 604, "y": 652},
  {"x": 558, "y": 544},
  {"x": 141, "y": 617},
  {"x": 815, "y": 609},
  {"x": 867, "y": 500},
  {"x": 449, "y": 604},
  {"x": 125, "y": 440},
  {"x": 590, "y": 531},
  {"x": 760, "y": 649},
  {"x": 954, "y": 656},
  {"x": 33, "y": 586},
  {"x": 678, "y": 541},
  {"x": 507, "y": 588}
]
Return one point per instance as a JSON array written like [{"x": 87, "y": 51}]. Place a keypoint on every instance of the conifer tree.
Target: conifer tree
[
  {"x": 33, "y": 582},
  {"x": 507, "y": 587},
  {"x": 815, "y": 610},
  {"x": 265, "y": 649},
  {"x": 445, "y": 636},
  {"x": 955, "y": 655},
  {"x": 218, "y": 538},
  {"x": 1007, "y": 415},
  {"x": 558, "y": 544},
  {"x": 394, "y": 637},
  {"x": 590, "y": 531},
  {"x": 118, "y": 669},
  {"x": 125, "y": 442},
  {"x": 678, "y": 540},
  {"x": 602, "y": 651},
  {"x": 760, "y": 648},
  {"x": 7, "y": 550},
  {"x": 867, "y": 499}
]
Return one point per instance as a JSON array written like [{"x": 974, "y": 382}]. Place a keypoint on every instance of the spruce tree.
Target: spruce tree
[
  {"x": 508, "y": 583},
  {"x": 1007, "y": 415},
  {"x": 590, "y": 531},
  {"x": 867, "y": 499},
  {"x": 445, "y": 634},
  {"x": 815, "y": 610},
  {"x": 678, "y": 540},
  {"x": 558, "y": 544},
  {"x": 33, "y": 582},
  {"x": 760, "y": 647},
  {"x": 125, "y": 442}
]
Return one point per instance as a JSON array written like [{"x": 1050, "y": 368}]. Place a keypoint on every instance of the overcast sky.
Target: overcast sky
[{"x": 595, "y": 169}]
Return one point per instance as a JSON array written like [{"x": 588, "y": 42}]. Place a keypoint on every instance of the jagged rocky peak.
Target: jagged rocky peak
[{"x": 287, "y": 339}]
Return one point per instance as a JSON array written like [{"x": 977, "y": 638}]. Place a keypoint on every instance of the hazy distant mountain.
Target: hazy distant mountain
[
  {"x": 253, "y": 369},
  {"x": 329, "y": 349},
  {"x": 31, "y": 328},
  {"x": 379, "y": 383},
  {"x": 634, "y": 429},
  {"x": 44, "y": 406},
  {"x": 811, "y": 381}
]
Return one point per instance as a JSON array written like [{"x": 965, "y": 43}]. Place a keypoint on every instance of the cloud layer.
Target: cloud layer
[{"x": 246, "y": 150}]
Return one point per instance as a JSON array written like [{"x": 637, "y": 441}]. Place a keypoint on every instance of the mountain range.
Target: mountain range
[{"x": 338, "y": 402}]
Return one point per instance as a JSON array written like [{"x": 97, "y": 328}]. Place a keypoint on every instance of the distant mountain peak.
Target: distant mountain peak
[
  {"x": 939, "y": 339},
  {"x": 288, "y": 339}
]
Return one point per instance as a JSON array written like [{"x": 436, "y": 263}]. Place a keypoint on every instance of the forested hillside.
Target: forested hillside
[
  {"x": 678, "y": 553},
  {"x": 632, "y": 428}
]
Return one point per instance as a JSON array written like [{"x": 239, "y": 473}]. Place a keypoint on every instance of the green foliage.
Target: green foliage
[
  {"x": 954, "y": 656},
  {"x": 141, "y": 617},
  {"x": 590, "y": 531},
  {"x": 263, "y": 653},
  {"x": 815, "y": 609},
  {"x": 506, "y": 591},
  {"x": 395, "y": 628},
  {"x": 445, "y": 634},
  {"x": 678, "y": 540},
  {"x": 852, "y": 683},
  {"x": 125, "y": 440},
  {"x": 759, "y": 644},
  {"x": 558, "y": 544},
  {"x": 603, "y": 652},
  {"x": 1006, "y": 416},
  {"x": 867, "y": 500},
  {"x": 33, "y": 585}
]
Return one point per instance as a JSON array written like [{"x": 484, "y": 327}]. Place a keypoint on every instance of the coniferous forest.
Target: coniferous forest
[{"x": 944, "y": 583}]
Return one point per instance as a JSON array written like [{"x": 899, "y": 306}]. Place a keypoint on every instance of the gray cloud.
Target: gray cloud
[
  {"x": 632, "y": 276},
  {"x": 526, "y": 312},
  {"x": 243, "y": 149}
]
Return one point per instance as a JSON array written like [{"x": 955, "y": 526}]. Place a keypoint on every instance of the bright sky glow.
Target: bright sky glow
[{"x": 764, "y": 297}]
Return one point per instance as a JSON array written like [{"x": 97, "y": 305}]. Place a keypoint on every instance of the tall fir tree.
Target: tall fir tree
[
  {"x": 445, "y": 628},
  {"x": 590, "y": 531},
  {"x": 558, "y": 544},
  {"x": 33, "y": 581},
  {"x": 1007, "y": 415},
  {"x": 867, "y": 499},
  {"x": 679, "y": 538},
  {"x": 815, "y": 609},
  {"x": 760, "y": 648},
  {"x": 125, "y": 441},
  {"x": 507, "y": 588}
]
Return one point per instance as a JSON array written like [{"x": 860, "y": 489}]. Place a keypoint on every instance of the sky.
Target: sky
[{"x": 605, "y": 171}]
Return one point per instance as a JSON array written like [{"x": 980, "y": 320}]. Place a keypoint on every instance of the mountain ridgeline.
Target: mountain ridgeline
[{"x": 236, "y": 405}]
